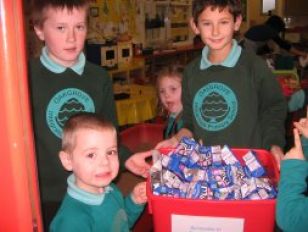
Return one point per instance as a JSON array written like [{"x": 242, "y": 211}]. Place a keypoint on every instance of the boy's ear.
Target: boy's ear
[
  {"x": 66, "y": 160},
  {"x": 39, "y": 32},
  {"x": 194, "y": 26},
  {"x": 238, "y": 22}
]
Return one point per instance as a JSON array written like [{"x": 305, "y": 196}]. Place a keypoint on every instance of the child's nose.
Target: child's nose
[
  {"x": 215, "y": 30},
  {"x": 103, "y": 160},
  {"x": 71, "y": 35},
  {"x": 167, "y": 94}
]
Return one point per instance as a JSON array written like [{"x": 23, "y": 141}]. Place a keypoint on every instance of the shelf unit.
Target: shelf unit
[
  {"x": 125, "y": 73},
  {"x": 182, "y": 55},
  {"x": 166, "y": 23}
]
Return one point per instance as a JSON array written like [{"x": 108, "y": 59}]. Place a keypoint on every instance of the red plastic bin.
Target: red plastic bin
[
  {"x": 142, "y": 137},
  {"x": 258, "y": 215}
]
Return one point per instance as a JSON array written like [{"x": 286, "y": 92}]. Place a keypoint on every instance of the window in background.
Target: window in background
[{"x": 268, "y": 6}]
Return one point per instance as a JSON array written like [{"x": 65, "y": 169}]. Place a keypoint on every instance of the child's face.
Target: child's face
[
  {"x": 64, "y": 33},
  {"x": 216, "y": 29},
  {"x": 170, "y": 91},
  {"x": 94, "y": 159}
]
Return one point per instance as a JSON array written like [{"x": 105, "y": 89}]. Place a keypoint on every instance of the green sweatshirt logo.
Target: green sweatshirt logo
[
  {"x": 215, "y": 106},
  {"x": 63, "y": 105}
]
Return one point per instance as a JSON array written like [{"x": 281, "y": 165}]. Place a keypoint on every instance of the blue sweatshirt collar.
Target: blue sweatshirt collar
[
  {"x": 85, "y": 197},
  {"x": 230, "y": 61},
  {"x": 58, "y": 68}
]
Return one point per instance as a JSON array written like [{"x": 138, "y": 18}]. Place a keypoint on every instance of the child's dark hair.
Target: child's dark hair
[
  {"x": 198, "y": 6},
  {"x": 173, "y": 70},
  {"x": 39, "y": 7},
  {"x": 83, "y": 120}
]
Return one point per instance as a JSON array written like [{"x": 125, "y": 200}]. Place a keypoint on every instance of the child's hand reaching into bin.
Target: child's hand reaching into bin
[
  {"x": 172, "y": 142},
  {"x": 137, "y": 163}
]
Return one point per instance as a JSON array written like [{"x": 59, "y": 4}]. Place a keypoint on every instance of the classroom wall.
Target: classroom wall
[{"x": 253, "y": 16}]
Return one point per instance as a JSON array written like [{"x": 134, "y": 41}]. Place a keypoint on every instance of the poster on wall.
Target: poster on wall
[{"x": 110, "y": 19}]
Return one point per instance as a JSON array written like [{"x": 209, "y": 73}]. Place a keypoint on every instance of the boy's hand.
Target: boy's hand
[
  {"x": 139, "y": 195},
  {"x": 170, "y": 143},
  {"x": 137, "y": 163},
  {"x": 302, "y": 125},
  {"x": 295, "y": 152},
  {"x": 173, "y": 141}
]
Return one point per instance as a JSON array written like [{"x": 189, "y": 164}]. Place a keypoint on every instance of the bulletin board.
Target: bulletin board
[{"x": 109, "y": 18}]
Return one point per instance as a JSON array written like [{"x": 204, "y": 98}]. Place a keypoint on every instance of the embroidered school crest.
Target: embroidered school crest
[
  {"x": 215, "y": 106},
  {"x": 63, "y": 105}
]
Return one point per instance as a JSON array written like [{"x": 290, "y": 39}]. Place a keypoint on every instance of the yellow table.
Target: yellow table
[
  {"x": 140, "y": 107},
  {"x": 291, "y": 75}
]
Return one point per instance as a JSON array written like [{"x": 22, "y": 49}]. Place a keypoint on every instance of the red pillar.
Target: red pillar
[{"x": 19, "y": 198}]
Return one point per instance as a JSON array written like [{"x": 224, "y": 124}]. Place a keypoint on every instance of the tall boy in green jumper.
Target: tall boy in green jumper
[
  {"x": 62, "y": 84},
  {"x": 229, "y": 94}
]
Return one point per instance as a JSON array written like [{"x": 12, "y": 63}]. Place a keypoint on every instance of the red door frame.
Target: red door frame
[{"x": 19, "y": 195}]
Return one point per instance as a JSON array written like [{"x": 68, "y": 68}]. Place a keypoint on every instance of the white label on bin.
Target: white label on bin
[{"x": 186, "y": 223}]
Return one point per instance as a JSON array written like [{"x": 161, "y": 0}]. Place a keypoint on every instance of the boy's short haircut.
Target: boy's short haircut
[
  {"x": 199, "y": 5},
  {"x": 83, "y": 121},
  {"x": 40, "y": 6},
  {"x": 173, "y": 71}
]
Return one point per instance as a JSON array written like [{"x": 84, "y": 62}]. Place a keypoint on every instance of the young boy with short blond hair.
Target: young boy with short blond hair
[{"x": 92, "y": 202}]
